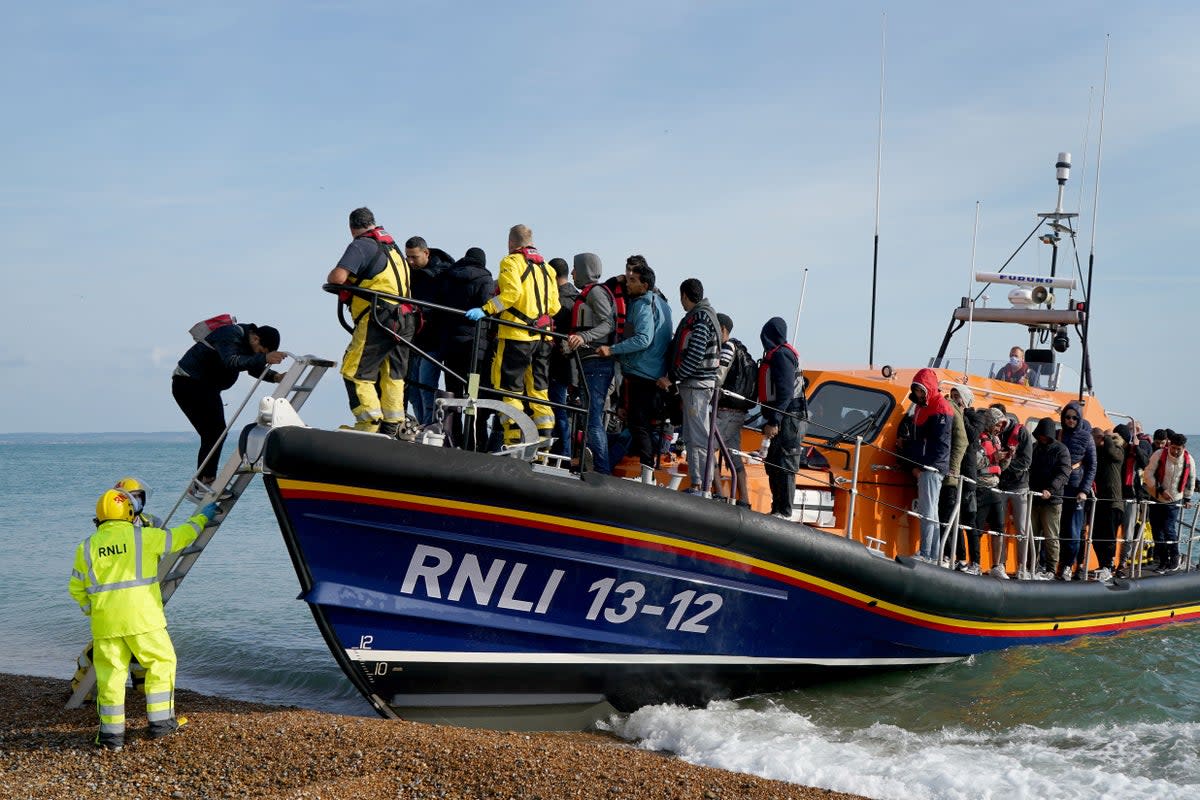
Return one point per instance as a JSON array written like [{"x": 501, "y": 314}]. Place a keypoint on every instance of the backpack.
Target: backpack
[
  {"x": 742, "y": 378},
  {"x": 204, "y": 327}
]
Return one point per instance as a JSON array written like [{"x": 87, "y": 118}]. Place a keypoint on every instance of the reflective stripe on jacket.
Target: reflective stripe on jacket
[{"x": 115, "y": 578}]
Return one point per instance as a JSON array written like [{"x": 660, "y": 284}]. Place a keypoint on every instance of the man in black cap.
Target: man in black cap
[{"x": 209, "y": 367}]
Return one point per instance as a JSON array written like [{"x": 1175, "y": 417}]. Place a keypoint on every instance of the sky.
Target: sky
[{"x": 165, "y": 162}]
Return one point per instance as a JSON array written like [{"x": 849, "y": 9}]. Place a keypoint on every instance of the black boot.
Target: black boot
[{"x": 389, "y": 429}]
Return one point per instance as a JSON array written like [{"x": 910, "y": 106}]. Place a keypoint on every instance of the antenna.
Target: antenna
[
  {"x": 1085, "y": 378},
  {"x": 800, "y": 308},
  {"x": 971, "y": 307},
  {"x": 878, "y": 170}
]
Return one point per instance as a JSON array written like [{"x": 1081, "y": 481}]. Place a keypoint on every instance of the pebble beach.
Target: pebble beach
[{"x": 234, "y": 749}]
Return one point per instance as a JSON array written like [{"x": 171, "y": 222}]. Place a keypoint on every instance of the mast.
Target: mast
[
  {"x": 878, "y": 169},
  {"x": 1085, "y": 370}
]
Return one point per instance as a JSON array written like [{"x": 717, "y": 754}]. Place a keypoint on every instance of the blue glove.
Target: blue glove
[
  {"x": 476, "y": 314},
  {"x": 210, "y": 510}
]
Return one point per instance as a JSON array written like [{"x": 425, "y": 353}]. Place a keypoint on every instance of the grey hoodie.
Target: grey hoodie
[{"x": 597, "y": 316}]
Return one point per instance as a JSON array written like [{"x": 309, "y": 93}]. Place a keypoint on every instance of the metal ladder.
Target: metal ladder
[{"x": 295, "y": 386}]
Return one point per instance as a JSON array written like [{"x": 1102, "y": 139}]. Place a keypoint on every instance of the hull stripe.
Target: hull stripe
[
  {"x": 475, "y": 657},
  {"x": 309, "y": 490}
]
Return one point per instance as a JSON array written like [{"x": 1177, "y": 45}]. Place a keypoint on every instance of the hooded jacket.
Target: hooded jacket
[
  {"x": 1016, "y": 470},
  {"x": 1050, "y": 465},
  {"x": 782, "y": 369},
  {"x": 1110, "y": 458},
  {"x": 595, "y": 318},
  {"x": 1082, "y": 448},
  {"x": 930, "y": 445},
  {"x": 1136, "y": 457},
  {"x": 466, "y": 285}
]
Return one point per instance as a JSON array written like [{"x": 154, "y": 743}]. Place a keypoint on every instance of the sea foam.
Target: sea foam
[{"x": 1144, "y": 760}]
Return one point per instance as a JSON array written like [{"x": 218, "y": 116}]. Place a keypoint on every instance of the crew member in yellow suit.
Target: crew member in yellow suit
[
  {"x": 376, "y": 359},
  {"x": 115, "y": 582},
  {"x": 529, "y": 296}
]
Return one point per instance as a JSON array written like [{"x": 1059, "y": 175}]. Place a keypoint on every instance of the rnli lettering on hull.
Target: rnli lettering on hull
[
  {"x": 438, "y": 574},
  {"x": 430, "y": 565}
]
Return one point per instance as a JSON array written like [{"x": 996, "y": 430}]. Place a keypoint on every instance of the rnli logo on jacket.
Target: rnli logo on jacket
[{"x": 111, "y": 549}]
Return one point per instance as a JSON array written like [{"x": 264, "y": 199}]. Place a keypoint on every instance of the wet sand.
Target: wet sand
[{"x": 245, "y": 750}]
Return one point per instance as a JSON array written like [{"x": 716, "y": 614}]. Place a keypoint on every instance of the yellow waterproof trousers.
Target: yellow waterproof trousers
[
  {"x": 374, "y": 367},
  {"x": 156, "y": 654},
  {"x": 524, "y": 368}
]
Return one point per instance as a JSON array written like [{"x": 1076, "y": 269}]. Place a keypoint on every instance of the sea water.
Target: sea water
[{"x": 1117, "y": 716}]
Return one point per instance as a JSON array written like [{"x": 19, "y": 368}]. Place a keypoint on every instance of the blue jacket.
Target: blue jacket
[
  {"x": 1082, "y": 448},
  {"x": 643, "y": 351}
]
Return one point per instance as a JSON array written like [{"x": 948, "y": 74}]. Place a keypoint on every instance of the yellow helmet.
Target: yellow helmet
[
  {"x": 135, "y": 488},
  {"x": 115, "y": 504}
]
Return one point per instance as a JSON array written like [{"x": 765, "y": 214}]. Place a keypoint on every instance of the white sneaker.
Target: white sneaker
[
  {"x": 1024, "y": 575},
  {"x": 998, "y": 573},
  {"x": 972, "y": 569},
  {"x": 1043, "y": 575},
  {"x": 1104, "y": 575},
  {"x": 946, "y": 562}
]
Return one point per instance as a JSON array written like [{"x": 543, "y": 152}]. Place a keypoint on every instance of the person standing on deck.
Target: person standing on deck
[
  {"x": 208, "y": 368},
  {"x": 1076, "y": 434},
  {"x": 1016, "y": 450},
  {"x": 1170, "y": 478},
  {"x": 1049, "y": 471},
  {"x": 785, "y": 415},
  {"x": 963, "y": 436},
  {"x": 1137, "y": 454},
  {"x": 593, "y": 324},
  {"x": 737, "y": 372},
  {"x": 1110, "y": 459},
  {"x": 376, "y": 359},
  {"x": 929, "y": 452},
  {"x": 692, "y": 362},
  {"x": 642, "y": 355},
  {"x": 428, "y": 266},
  {"x": 115, "y": 583},
  {"x": 528, "y": 296},
  {"x": 561, "y": 366}
]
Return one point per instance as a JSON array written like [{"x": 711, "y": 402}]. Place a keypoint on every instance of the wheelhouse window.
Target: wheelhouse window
[{"x": 843, "y": 411}]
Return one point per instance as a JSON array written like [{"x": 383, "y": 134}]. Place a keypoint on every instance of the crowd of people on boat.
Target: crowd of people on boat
[
  {"x": 976, "y": 470},
  {"x": 564, "y": 335},
  {"x": 546, "y": 336}
]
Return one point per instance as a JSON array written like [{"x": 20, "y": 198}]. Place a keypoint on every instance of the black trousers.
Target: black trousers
[
  {"x": 783, "y": 458},
  {"x": 643, "y": 404},
  {"x": 201, "y": 404}
]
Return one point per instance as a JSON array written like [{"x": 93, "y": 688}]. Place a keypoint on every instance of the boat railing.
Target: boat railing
[
  {"x": 1028, "y": 544},
  {"x": 474, "y": 386}
]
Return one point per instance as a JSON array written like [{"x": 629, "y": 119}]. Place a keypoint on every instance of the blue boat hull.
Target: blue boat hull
[{"x": 443, "y": 579}]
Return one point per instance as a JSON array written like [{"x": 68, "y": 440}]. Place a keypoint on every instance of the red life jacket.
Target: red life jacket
[
  {"x": 989, "y": 449},
  {"x": 577, "y": 311},
  {"x": 1160, "y": 472},
  {"x": 1014, "y": 435},
  {"x": 766, "y": 388},
  {"x": 617, "y": 289}
]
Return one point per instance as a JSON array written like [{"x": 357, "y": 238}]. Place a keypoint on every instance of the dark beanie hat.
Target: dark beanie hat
[
  {"x": 476, "y": 255},
  {"x": 725, "y": 322},
  {"x": 268, "y": 337}
]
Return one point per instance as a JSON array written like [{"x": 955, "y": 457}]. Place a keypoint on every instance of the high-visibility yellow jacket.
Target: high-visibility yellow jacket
[
  {"x": 528, "y": 291},
  {"x": 115, "y": 579}
]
